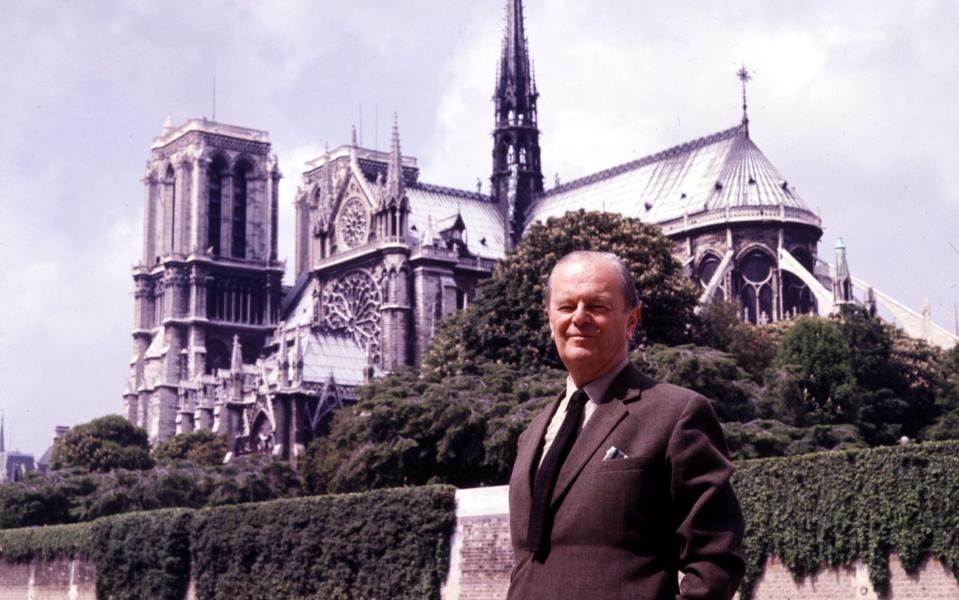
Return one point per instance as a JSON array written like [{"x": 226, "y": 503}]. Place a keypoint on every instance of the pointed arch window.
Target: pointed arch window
[
  {"x": 215, "y": 204},
  {"x": 755, "y": 281},
  {"x": 171, "y": 182},
  {"x": 240, "y": 173}
]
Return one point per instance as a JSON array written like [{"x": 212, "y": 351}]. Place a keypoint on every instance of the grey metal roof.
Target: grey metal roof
[
  {"x": 719, "y": 177},
  {"x": 340, "y": 355},
  {"x": 433, "y": 205}
]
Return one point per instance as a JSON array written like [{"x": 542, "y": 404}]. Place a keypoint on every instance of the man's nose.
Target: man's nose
[{"x": 581, "y": 315}]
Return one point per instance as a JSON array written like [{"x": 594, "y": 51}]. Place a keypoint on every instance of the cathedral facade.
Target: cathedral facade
[{"x": 381, "y": 257}]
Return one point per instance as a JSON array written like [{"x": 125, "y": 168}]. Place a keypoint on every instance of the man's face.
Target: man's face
[{"x": 588, "y": 320}]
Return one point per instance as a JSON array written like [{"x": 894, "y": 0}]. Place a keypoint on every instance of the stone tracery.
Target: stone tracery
[{"x": 351, "y": 304}]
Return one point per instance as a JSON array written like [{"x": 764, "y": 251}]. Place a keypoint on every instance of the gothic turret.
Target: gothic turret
[
  {"x": 517, "y": 174},
  {"x": 393, "y": 208},
  {"x": 842, "y": 283}
]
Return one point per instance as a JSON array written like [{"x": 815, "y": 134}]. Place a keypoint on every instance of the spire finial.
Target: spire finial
[
  {"x": 744, "y": 77},
  {"x": 353, "y": 137},
  {"x": 394, "y": 169}
]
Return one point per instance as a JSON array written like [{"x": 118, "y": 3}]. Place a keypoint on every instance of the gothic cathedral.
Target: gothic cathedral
[{"x": 381, "y": 257}]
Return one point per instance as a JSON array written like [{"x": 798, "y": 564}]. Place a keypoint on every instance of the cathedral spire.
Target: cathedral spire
[
  {"x": 2, "y": 427},
  {"x": 515, "y": 76},
  {"x": 394, "y": 170},
  {"x": 516, "y": 152},
  {"x": 745, "y": 77}
]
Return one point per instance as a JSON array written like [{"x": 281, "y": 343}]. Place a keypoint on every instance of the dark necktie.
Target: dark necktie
[{"x": 549, "y": 470}]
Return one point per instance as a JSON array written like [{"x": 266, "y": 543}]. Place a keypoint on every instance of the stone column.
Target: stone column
[
  {"x": 199, "y": 201},
  {"x": 226, "y": 216},
  {"x": 149, "y": 219},
  {"x": 274, "y": 213}
]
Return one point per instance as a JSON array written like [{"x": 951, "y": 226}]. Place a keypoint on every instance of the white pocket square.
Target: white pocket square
[{"x": 614, "y": 453}]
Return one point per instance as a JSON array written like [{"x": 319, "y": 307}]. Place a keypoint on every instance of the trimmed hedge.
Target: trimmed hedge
[
  {"x": 829, "y": 509},
  {"x": 380, "y": 544},
  {"x": 46, "y": 543},
  {"x": 143, "y": 555}
]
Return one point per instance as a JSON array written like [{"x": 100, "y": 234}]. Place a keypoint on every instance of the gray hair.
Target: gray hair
[{"x": 630, "y": 295}]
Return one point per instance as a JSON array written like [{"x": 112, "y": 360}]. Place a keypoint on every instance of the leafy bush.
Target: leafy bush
[
  {"x": 102, "y": 445},
  {"x": 67, "y": 496},
  {"x": 381, "y": 544},
  {"x": 714, "y": 374},
  {"x": 765, "y": 438},
  {"x": 202, "y": 447},
  {"x": 404, "y": 430},
  {"x": 815, "y": 355}
]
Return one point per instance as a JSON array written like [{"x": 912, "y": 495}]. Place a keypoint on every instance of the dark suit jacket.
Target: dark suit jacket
[{"x": 624, "y": 528}]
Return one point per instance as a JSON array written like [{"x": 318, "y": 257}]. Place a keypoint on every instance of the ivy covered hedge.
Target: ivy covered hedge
[
  {"x": 46, "y": 543},
  {"x": 143, "y": 555},
  {"x": 381, "y": 544},
  {"x": 829, "y": 509}
]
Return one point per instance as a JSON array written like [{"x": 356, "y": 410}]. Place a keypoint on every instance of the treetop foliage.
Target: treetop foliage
[
  {"x": 507, "y": 322},
  {"x": 103, "y": 444},
  {"x": 202, "y": 447}
]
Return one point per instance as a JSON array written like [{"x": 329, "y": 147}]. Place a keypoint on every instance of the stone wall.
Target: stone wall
[
  {"x": 42, "y": 580},
  {"x": 481, "y": 560}
]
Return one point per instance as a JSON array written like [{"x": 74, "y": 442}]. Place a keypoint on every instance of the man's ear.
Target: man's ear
[{"x": 633, "y": 319}]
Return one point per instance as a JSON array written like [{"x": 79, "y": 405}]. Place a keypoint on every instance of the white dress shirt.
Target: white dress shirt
[{"x": 595, "y": 389}]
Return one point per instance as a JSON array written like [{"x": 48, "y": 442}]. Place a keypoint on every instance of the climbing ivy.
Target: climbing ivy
[
  {"x": 45, "y": 543},
  {"x": 832, "y": 508},
  {"x": 382, "y": 544}
]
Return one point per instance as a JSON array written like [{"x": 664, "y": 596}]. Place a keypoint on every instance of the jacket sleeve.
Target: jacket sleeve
[{"x": 708, "y": 519}]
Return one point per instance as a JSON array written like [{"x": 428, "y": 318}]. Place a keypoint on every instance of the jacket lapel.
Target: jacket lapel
[
  {"x": 625, "y": 388},
  {"x": 526, "y": 454}
]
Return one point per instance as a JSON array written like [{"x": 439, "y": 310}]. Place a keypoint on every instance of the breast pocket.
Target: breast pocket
[{"x": 632, "y": 463}]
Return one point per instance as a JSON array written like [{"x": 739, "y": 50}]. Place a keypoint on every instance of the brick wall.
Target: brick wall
[
  {"x": 41, "y": 580},
  {"x": 481, "y": 559}
]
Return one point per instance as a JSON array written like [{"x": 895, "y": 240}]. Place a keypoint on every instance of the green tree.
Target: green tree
[
  {"x": 753, "y": 347},
  {"x": 817, "y": 360},
  {"x": 103, "y": 444},
  {"x": 405, "y": 430},
  {"x": 507, "y": 323},
  {"x": 712, "y": 373},
  {"x": 202, "y": 447}
]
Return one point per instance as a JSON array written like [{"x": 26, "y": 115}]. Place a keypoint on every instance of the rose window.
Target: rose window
[
  {"x": 353, "y": 223},
  {"x": 351, "y": 305}
]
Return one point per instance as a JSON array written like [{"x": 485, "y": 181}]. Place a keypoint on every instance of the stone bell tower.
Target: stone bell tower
[{"x": 208, "y": 273}]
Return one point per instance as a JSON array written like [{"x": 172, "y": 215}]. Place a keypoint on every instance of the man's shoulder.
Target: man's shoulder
[{"x": 666, "y": 398}]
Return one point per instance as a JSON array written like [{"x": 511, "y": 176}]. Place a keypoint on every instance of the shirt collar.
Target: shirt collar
[{"x": 596, "y": 389}]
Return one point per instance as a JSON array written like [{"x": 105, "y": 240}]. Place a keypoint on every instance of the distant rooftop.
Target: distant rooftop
[
  {"x": 382, "y": 156},
  {"x": 171, "y": 133}
]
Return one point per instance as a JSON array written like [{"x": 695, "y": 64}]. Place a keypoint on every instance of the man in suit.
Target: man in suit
[{"x": 618, "y": 490}]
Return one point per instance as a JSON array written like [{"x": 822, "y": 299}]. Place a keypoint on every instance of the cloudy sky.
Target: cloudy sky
[{"x": 855, "y": 103}]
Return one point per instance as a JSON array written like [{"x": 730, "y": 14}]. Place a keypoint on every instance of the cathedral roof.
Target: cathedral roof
[
  {"x": 325, "y": 353},
  {"x": 717, "y": 178},
  {"x": 431, "y": 206}
]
